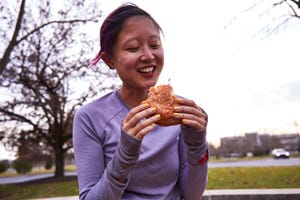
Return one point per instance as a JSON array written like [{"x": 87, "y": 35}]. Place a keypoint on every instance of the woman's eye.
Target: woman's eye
[
  {"x": 155, "y": 46},
  {"x": 133, "y": 49}
]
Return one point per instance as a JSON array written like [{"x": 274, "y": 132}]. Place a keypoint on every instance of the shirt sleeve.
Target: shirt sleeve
[
  {"x": 193, "y": 151},
  {"x": 97, "y": 181}
]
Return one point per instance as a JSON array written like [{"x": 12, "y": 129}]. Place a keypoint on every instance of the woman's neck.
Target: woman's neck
[{"x": 133, "y": 98}]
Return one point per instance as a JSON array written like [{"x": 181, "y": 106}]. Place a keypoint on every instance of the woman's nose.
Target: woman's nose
[{"x": 147, "y": 53}]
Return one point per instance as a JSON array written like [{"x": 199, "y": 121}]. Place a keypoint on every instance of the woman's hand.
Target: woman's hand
[
  {"x": 190, "y": 113},
  {"x": 140, "y": 121}
]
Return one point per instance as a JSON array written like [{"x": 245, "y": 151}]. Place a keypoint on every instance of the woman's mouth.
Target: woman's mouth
[{"x": 147, "y": 69}]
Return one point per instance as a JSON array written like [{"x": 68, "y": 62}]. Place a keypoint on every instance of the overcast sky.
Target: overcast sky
[{"x": 245, "y": 83}]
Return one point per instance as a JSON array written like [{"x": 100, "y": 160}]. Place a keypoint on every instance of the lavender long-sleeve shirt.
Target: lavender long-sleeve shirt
[{"x": 164, "y": 165}]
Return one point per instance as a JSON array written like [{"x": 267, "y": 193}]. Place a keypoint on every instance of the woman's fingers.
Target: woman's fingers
[
  {"x": 134, "y": 112},
  {"x": 140, "y": 121},
  {"x": 145, "y": 126},
  {"x": 191, "y": 114}
]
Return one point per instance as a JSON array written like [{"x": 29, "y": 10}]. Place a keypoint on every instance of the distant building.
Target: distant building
[
  {"x": 258, "y": 144},
  {"x": 253, "y": 142},
  {"x": 290, "y": 142}
]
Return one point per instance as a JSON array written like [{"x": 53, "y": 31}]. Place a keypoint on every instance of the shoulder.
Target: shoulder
[
  {"x": 102, "y": 108},
  {"x": 107, "y": 100},
  {"x": 99, "y": 101}
]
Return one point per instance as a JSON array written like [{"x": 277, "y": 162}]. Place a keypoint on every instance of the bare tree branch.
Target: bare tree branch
[
  {"x": 5, "y": 58},
  {"x": 56, "y": 22},
  {"x": 272, "y": 26},
  {"x": 14, "y": 42}
]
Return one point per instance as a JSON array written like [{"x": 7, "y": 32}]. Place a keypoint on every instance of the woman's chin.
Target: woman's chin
[{"x": 149, "y": 84}]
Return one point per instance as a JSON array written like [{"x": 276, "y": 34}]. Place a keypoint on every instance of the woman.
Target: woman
[{"x": 119, "y": 151}]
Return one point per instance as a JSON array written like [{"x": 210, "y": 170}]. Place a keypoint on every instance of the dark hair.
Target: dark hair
[{"x": 113, "y": 24}]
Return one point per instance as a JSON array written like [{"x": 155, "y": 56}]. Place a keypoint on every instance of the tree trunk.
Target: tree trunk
[{"x": 59, "y": 163}]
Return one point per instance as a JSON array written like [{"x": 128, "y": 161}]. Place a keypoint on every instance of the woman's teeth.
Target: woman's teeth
[{"x": 147, "y": 69}]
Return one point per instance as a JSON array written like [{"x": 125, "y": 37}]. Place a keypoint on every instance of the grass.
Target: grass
[
  {"x": 253, "y": 177},
  {"x": 218, "y": 178},
  {"x": 30, "y": 191}
]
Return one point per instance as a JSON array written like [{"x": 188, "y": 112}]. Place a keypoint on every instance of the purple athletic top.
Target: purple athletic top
[{"x": 165, "y": 165}]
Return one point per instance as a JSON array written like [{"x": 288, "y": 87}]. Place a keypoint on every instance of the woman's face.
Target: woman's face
[{"x": 138, "y": 54}]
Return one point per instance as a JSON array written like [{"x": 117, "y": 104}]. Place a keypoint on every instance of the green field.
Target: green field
[
  {"x": 218, "y": 178},
  {"x": 32, "y": 191},
  {"x": 253, "y": 177}
]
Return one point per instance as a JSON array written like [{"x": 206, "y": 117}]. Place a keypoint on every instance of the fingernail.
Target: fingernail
[
  {"x": 176, "y": 108},
  {"x": 178, "y": 99},
  {"x": 153, "y": 109},
  {"x": 157, "y": 116},
  {"x": 176, "y": 114},
  {"x": 146, "y": 104}
]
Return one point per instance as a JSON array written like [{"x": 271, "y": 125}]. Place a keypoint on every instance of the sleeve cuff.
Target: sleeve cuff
[
  {"x": 125, "y": 157},
  {"x": 197, "y": 147},
  {"x": 129, "y": 145}
]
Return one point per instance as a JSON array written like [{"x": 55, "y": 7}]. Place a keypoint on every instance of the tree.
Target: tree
[
  {"x": 46, "y": 76},
  {"x": 290, "y": 10},
  {"x": 13, "y": 42},
  {"x": 273, "y": 15}
]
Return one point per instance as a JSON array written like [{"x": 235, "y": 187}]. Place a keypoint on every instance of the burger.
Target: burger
[{"x": 162, "y": 98}]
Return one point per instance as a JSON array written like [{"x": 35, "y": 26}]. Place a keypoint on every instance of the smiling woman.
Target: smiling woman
[{"x": 131, "y": 150}]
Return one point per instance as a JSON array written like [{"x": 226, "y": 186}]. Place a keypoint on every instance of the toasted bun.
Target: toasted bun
[{"x": 162, "y": 98}]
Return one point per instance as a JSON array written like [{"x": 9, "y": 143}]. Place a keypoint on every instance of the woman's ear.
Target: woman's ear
[{"x": 107, "y": 60}]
